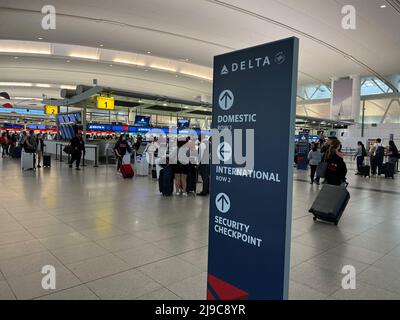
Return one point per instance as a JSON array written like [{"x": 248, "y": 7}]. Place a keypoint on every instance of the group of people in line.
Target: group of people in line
[
  {"x": 13, "y": 143},
  {"x": 377, "y": 153},
  {"x": 124, "y": 147},
  {"x": 330, "y": 152}
]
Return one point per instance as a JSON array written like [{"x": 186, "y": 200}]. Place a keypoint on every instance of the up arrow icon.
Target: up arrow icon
[
  {"x": 226, "y": 99},
  {"x": 223, "y": 202}
]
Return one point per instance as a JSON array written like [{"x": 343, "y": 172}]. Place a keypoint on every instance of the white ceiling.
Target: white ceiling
[{"x": 198, "y": 30}]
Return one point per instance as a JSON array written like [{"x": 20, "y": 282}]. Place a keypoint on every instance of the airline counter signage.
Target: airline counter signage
[
  {"x": 51, "y": 109},
  {"x": 250, "y": 207},
  {"x": 303, "y": 147},
  {"x": 105, "y": 103}
]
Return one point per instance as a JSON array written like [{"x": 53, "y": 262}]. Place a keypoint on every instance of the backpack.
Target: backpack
[
  {"x": 364, "y": 152},
  {"x": 380, "y": 152}
]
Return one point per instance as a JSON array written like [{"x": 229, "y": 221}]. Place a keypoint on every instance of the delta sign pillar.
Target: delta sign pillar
[
  {"x": 250, "y": 208},
  {"x": 303, "y": 148}
]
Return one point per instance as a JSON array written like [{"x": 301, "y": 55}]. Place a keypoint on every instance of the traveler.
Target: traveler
[
  {"x": 77, "y": 146},
  {"x": 204, "y": 165},
  {"x": 39, "y": 149},
  {"x": 22, "y": 138},
  {"x": 30, "y": 145},
  {"x": 152, "y": 150},
  {"x": 377, "y": 153},
  {"x": 180, "y": 171},
  {"x": 336, "y": 170},
  {"x": 121, "y": 148},
  {"x": 359, "y": 156},
  {"x": 327, "y": 143},
  {"x": 314, "y": 158},
  {"x": 4, "y": 144},
  {"x": 393, "y": 152}
]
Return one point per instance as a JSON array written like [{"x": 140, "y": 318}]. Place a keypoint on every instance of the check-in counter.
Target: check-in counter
[{"x": 55, "y": 147}]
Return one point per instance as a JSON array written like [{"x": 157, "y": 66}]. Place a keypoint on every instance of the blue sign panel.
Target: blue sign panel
[
  {"x": 250, "y": 206},
  {"x": 303, "y": 147},
  {"x": 98, "y": 127}
]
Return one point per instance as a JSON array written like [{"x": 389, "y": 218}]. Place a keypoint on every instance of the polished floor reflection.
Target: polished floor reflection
[{"x": 110, "y": 238}]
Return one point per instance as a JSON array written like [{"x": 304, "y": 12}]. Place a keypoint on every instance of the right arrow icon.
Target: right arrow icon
[{"x": 223, "y": 202}]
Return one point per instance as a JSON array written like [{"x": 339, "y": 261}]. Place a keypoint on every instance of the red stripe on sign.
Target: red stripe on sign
[{"x": 225, "y": 290}]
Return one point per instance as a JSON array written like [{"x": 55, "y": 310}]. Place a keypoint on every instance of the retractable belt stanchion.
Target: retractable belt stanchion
[
  {"x": 61, "y": 150},
  {"x": 95, "y": 154}
]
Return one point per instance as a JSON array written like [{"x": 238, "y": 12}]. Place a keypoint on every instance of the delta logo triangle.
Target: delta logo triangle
[{"x": 224, "y": 70}]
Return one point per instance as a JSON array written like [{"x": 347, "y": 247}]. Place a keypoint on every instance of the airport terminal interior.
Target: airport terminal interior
[{"x": 77, "y": 76}]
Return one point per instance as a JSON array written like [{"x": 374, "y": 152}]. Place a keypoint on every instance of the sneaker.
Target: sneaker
[
  {"x": 39, "y": 166},
  {"x": 185, "y": 194},
  {"x": 177, "y": 193},
  {"x": 78, "y": 168}
]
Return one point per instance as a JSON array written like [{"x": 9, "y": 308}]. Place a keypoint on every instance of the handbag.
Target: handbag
[
  {"x": 68, "y": 149},
  {"x": 321, "y": 169}
]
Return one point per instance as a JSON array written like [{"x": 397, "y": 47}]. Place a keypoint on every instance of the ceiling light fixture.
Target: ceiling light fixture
[
  {"x": 102, "y": 45},
  {"x": 196, "y": 75},
  {"x": 16, "y": 58},
  {"x": 383, "y": 6},
  {"x": 24, "y": 51},
  {"x": 148, "y": 52},
  {"x": 40, "y": 38},
  {"x": 84, "y": 56},
  {"x": 136, "y": 63},
  {"x": 43, "y": 85},
  {"x": 64, "y": 86},
  {"x": 15, "y": 84},
  {"x": 156, "y": 66}
]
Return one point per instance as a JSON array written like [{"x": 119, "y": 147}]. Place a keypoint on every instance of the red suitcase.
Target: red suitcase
[{"x": 127, "y": 171}]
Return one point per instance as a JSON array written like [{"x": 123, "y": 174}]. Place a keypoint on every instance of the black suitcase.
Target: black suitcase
[
  {"x": 166, "y": 181},
  {"x": 365, "y": 171},
  {"x": 191, "y": 180},
  {"x": 389, "y": 170},
  {"x": 154, "y": 173},
  {"x": 46, "y": 161},
  {"x": 16, "y": 152},
  {"x": 330, "y": 203}
]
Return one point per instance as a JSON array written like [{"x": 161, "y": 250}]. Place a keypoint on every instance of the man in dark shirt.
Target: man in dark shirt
[
  {"x": 120, "y": 149},
  {"x": 78, "y": 146}
]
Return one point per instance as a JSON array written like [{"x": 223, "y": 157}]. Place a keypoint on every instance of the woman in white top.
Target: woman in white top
[{"x": 314, "y": 158}]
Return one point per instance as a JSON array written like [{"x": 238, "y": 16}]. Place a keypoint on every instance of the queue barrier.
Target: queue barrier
[{"x": 59, "y": 154}]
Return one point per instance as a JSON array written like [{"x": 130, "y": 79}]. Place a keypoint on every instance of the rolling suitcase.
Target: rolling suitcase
[
  {"x": 16, "y": 152},
  {"x": 142, "y": 166},
  {"x": 330, "y": 203},
  {"x": 389, "y": 170},
  {"x": 365, "y": 171},
  {"x": 27, "y": 161},
  {"x": 166, "y": 181},
  {"x": 127, "y": 171},
  {"x": 46, "y": 161}
]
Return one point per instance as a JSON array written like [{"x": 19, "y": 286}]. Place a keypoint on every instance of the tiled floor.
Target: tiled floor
[{"x": 110, "y": 238}]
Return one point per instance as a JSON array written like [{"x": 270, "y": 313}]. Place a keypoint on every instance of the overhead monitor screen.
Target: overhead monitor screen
[
  {"x": 183, "y": 124},
  {"x": 142, "y": 120}
]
